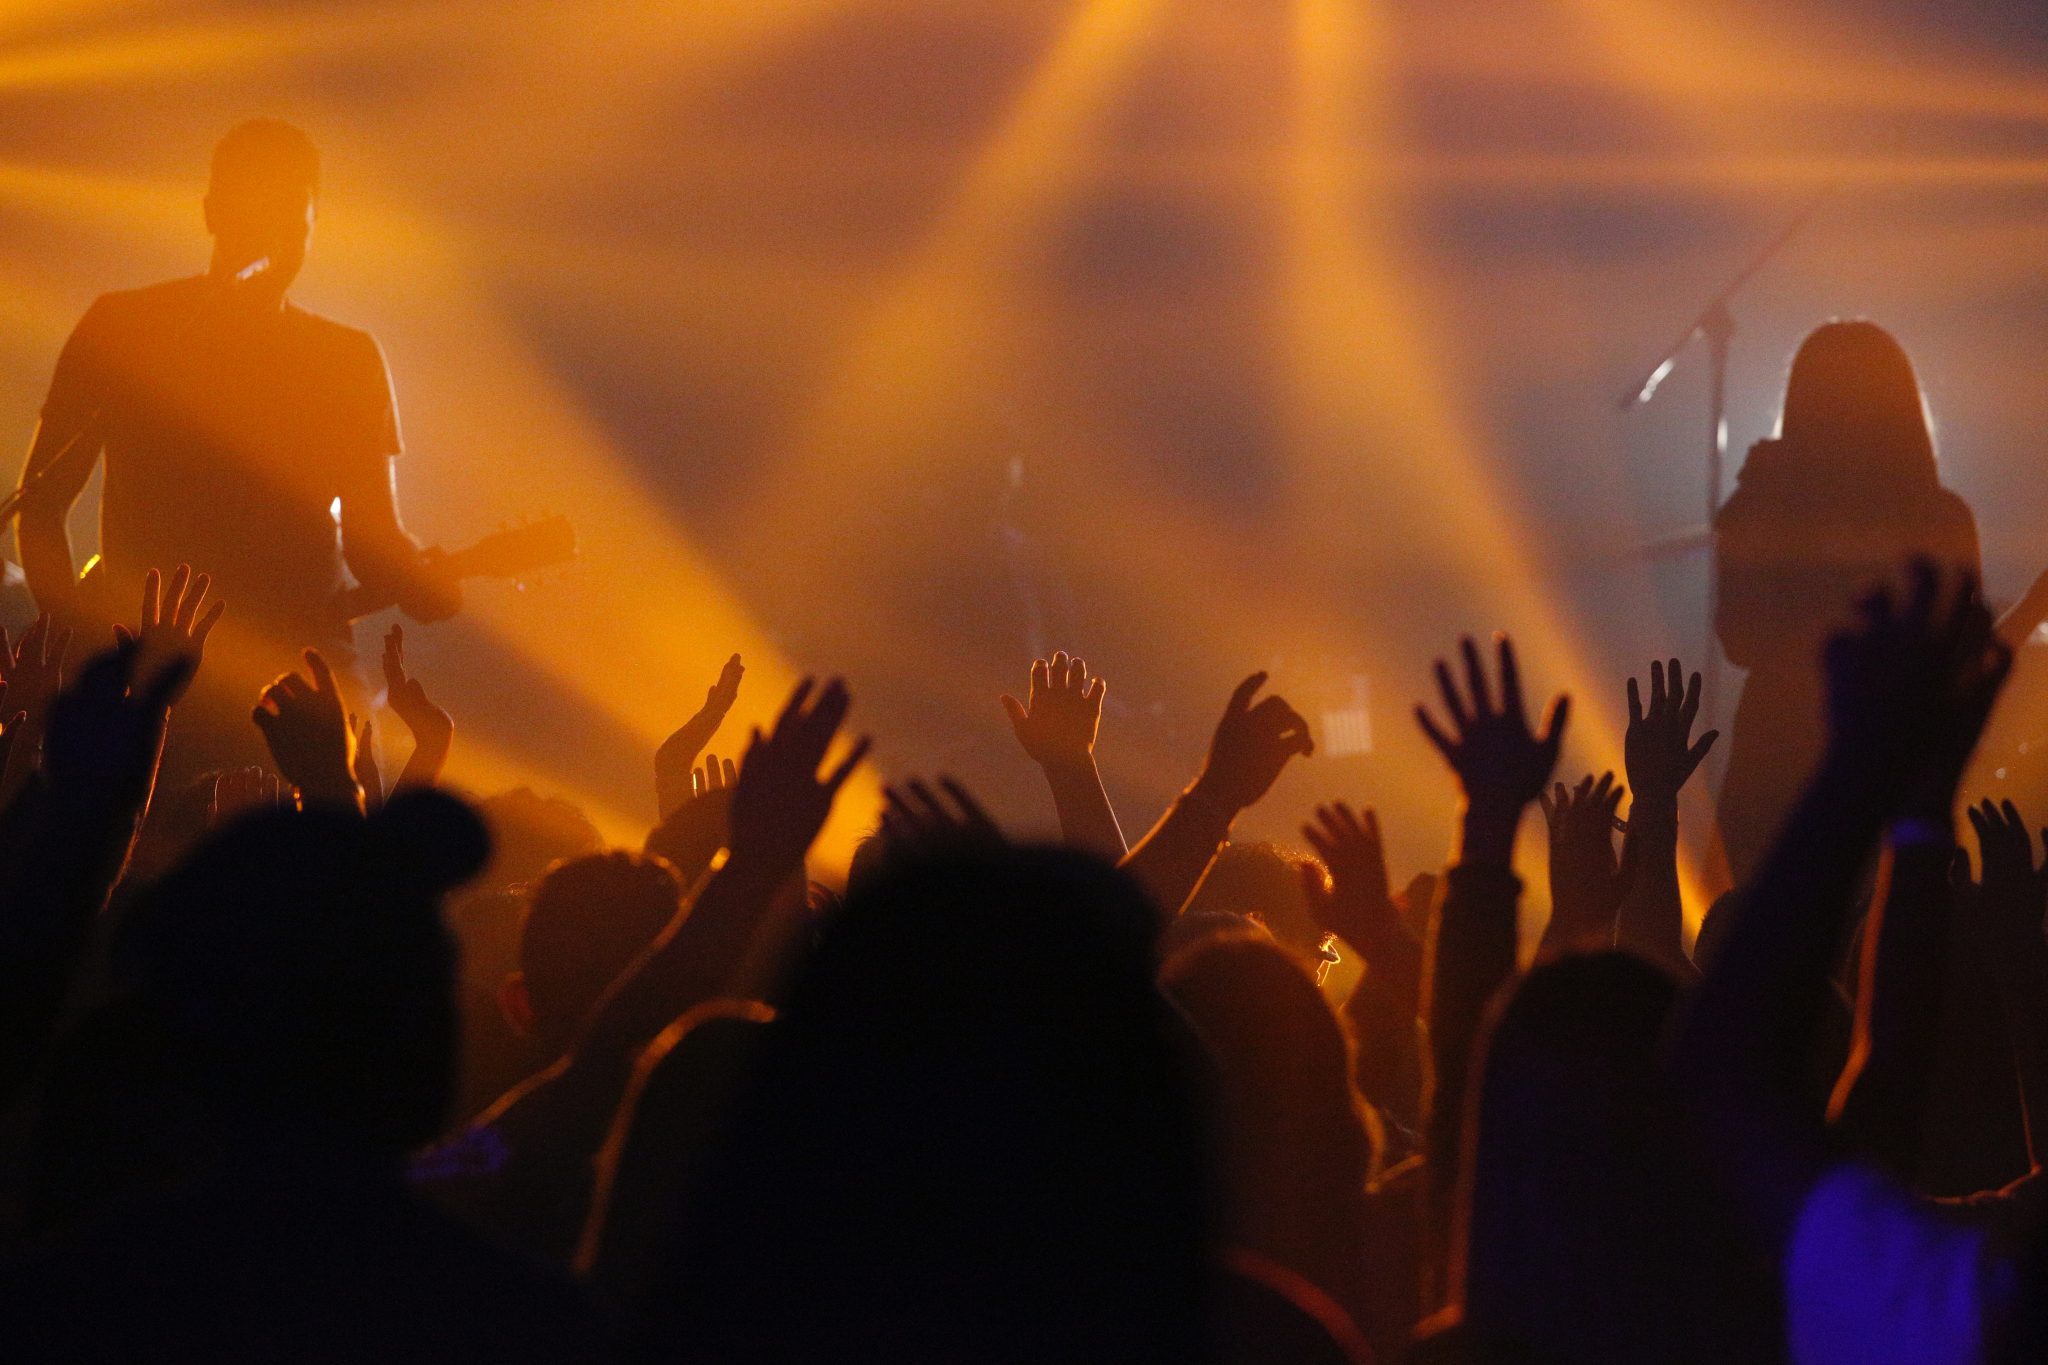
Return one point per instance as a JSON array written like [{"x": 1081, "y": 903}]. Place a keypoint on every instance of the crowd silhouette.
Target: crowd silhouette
[{"x": 299, "y": 1066}]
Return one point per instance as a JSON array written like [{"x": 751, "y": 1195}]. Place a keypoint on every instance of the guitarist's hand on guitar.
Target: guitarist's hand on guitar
[
  {"x": 172, "y": 625},
  {"x": 433, "y": 590}
]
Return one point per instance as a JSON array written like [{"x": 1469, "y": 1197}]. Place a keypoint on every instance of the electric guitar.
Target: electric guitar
[{"x": 511, "y": 553}]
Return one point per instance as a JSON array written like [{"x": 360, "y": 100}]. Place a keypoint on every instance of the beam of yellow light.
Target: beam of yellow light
[
  {"x": 1743, "y": 72},
  {"x": 177, "y": 52},
  {"x": 1366, "y": 368},
  {"x": 907, "y": 357}
]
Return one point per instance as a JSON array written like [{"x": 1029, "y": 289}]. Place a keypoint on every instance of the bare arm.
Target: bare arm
[
  {"x": 387, "y": 562},
  {"x": 1502, "y": 767},
  {"x": 1880, "y": 1100},
  {"x": 1662, "y": 757},
  {"x": 1057, "y": 726},
  {"x": 2003, "y": 917},
  {"x": 1251, "y": 745},
  {"x": 44, "y": 532}
]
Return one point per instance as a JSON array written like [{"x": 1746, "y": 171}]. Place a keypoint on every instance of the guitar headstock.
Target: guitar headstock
[{"x": 520, "y": 550}]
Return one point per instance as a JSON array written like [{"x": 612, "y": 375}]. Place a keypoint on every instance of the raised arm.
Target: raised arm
[
  {"x": 1502, "y": 766},
  {"x": 676, "y": 759},
  {"x": 2004, "y": 918},
  {"x": 31, "y": 673},
  {"x": 71, "y": 833},
  {"x": 1912, "y": 683},
  {"x": 1056, "y": 726},
  {"x": 777, "y": 807},
  {"x": 1356, "y": 904},
  {"x": 306, "y": 728},
  {"x": 1585, "y": 875},
  {"x": 1662, "y": 756},
  {"x": 433, "y": 729},
  {"x": 1251, "y": 745}
]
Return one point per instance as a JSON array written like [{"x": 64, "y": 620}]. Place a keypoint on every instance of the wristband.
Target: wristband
[{"x": 1911, "y": 831}]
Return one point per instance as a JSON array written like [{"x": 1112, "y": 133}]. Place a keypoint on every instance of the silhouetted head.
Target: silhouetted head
[
  {"x": 1587, "y": 1232},
  {"x": 530, "y": 833},
  {"x": 299, "y": 963},
  {"x": 588, "y": 919},
  {"x": 973, "y": 1134},
  {"x": 1261, "y": 880},
  {"x": 1283, "y": 1062},
  {"x": 1852, "y": 399},
  {"x": 261, "y": 199}
]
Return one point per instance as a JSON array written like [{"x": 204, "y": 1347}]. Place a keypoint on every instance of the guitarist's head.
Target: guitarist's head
[{"x": 260, "y": 205}]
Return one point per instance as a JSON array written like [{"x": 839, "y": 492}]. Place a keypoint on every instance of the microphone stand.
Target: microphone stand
[{"x": 1715, "y": 325}]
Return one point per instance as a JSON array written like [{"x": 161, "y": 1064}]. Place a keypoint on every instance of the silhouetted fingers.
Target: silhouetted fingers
[
  {"x": 1436, "y": 736},
  {"x": 1454, "y": 705},
  {"x": 323, "y": 675},
  {"x": 970, "y": 809},
  {"x": 836, "y": 779},
  {"x": 1241, "y": 696},
  {"x": 152, "y": 591},
  {"x": 1475, "y": 677},
  {"x": 1553, "y": 731},
  {"x": 1510, "y": 675}
]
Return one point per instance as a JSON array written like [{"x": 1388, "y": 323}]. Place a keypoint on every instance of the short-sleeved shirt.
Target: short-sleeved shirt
[{"x": 228, "y": 434}]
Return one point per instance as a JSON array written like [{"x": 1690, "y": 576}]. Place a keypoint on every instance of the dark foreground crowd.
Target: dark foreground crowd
[{"x": 1007, "y": 1102}]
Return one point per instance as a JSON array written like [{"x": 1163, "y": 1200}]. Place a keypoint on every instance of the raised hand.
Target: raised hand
[
  {"x": 713, "y": 777},
  {"x": 238, "y": 791},
  {"x": 2012, "y": 900},
  {"x": 432, "y": 728},
  {"x": 106, "y": 728},
  {"x": 1585, "y": 875},
  {"x": 364, "y": 767},
  {"x": 1058, "y": 724},
  {"x": 1909, "y": 690},
  {"x": 914, "y": 818},
  {"x": 1251, "y": 745},
  {"x": 33, "y": 670},
  {"x": 1501, "y": 764},
  {"x": 1659, "y": 747},
  {"x": 174, "y": 621},
  {"x": 780, "y": 802},
  {"x": 1357, "y": 903},
  {"x": 677, "y": 756},
  {"x": 31, "y": 675},
  {"x": 306, "y": 728}
]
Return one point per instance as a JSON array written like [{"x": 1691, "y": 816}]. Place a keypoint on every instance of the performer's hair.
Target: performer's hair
[
  {"x": 1852, "y": 395},
  {"x": 267, "y": 152}
]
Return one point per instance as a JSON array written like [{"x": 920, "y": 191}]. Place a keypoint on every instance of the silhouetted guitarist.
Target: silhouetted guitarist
[{"x": 232, "y": 424}]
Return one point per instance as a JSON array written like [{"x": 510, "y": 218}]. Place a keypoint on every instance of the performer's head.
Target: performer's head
[
  {"x": 1852, "y": 396},
  {"x": 260, "y": 201}
]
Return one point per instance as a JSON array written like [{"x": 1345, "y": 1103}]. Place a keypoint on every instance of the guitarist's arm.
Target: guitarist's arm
[
  {"x": 60, "y": 460},
  {"x": 387, "y": 563}
]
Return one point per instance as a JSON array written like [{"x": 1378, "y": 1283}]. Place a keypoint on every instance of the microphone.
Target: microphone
[{"x": 256, "y": 269}]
